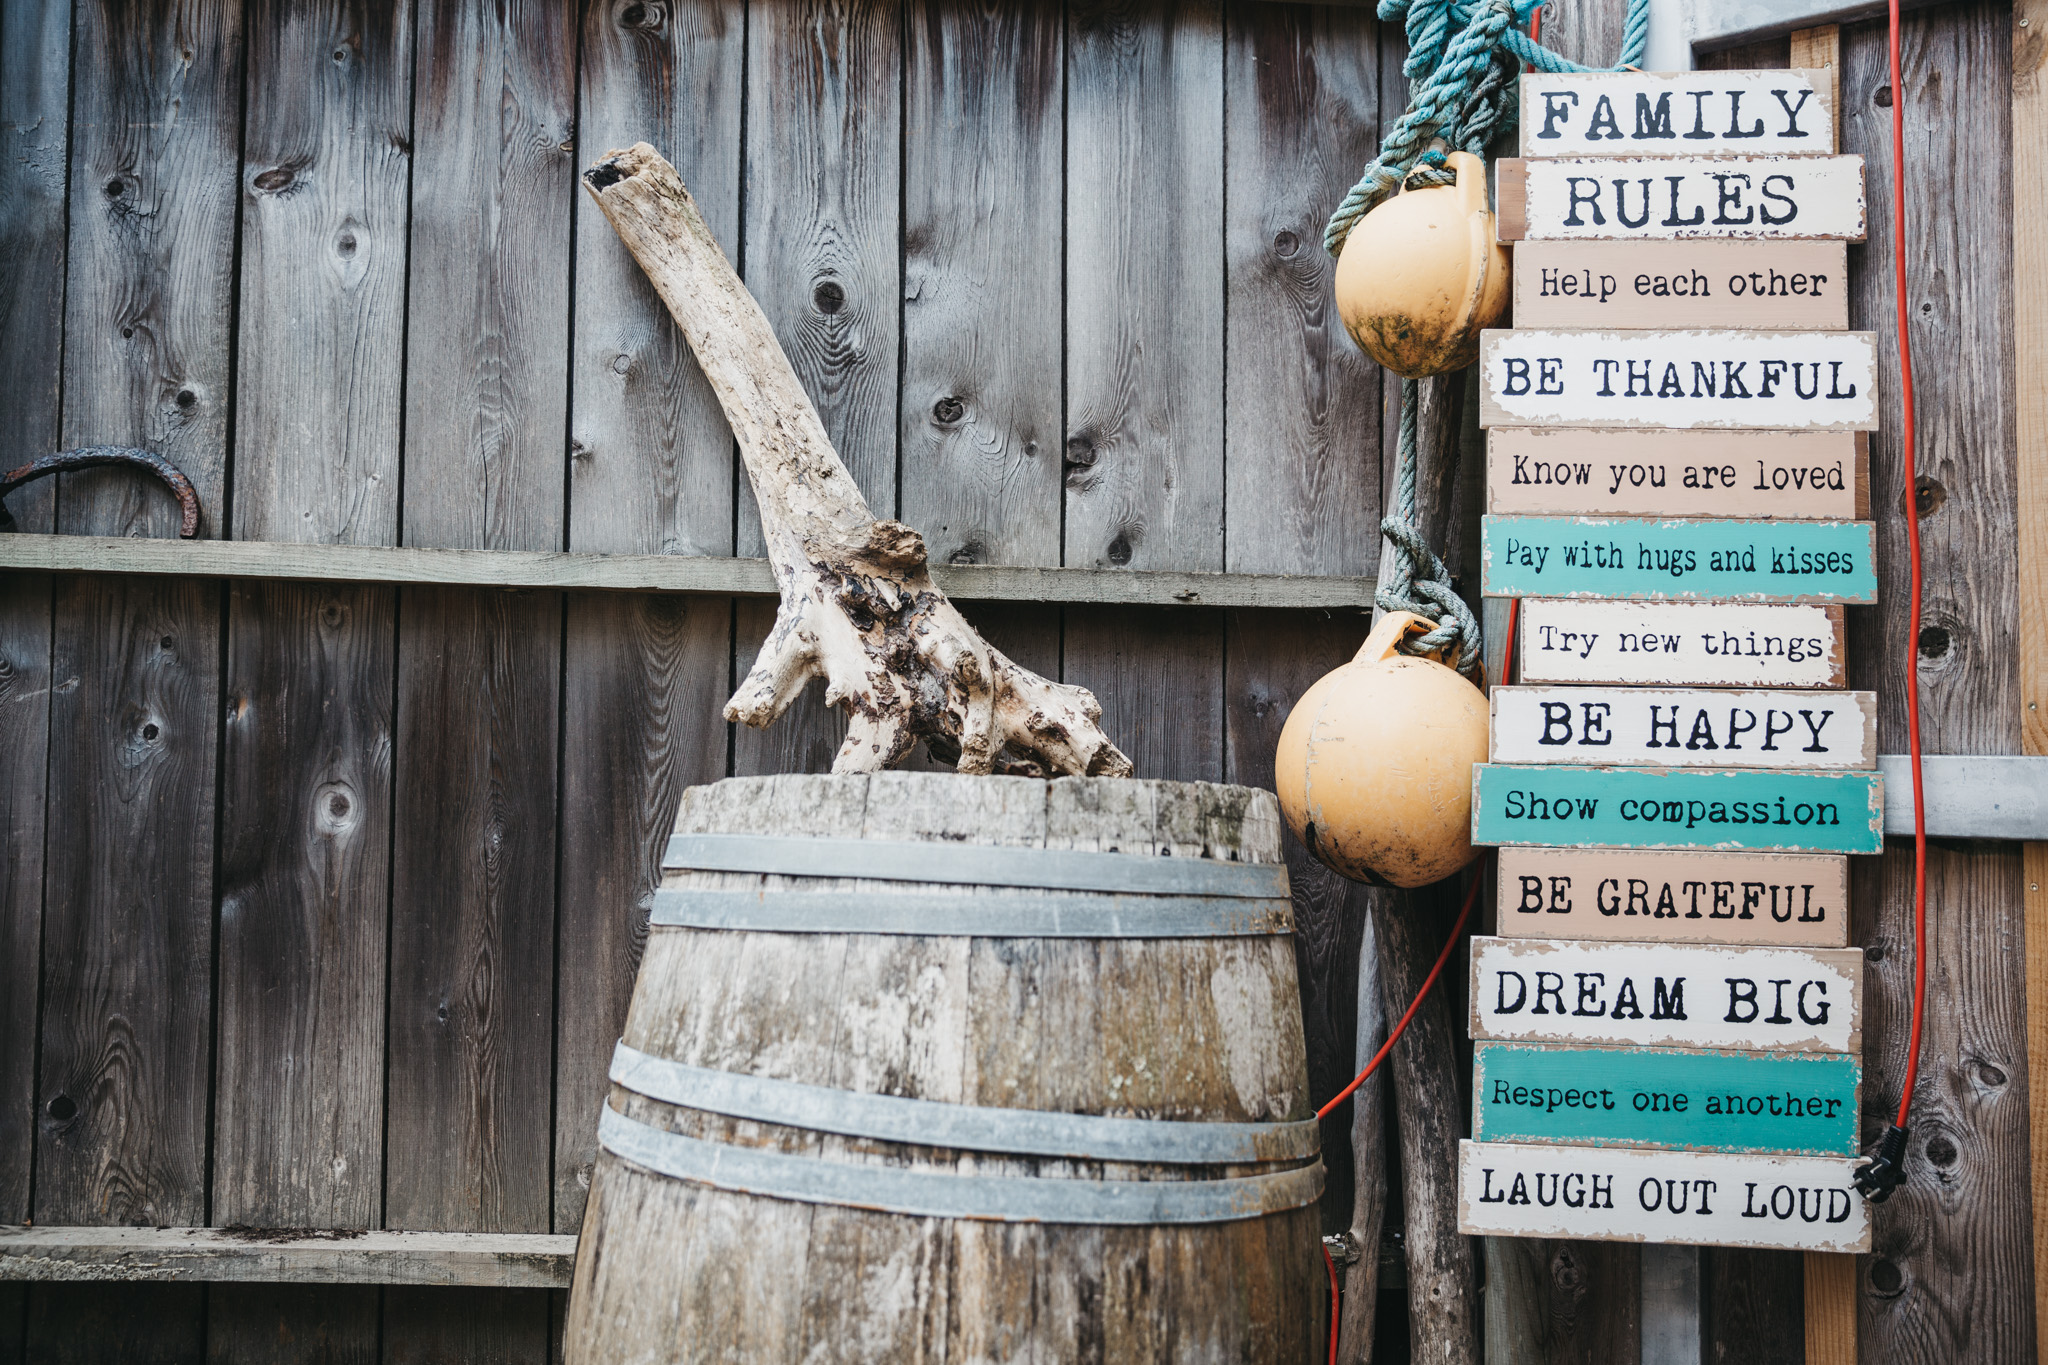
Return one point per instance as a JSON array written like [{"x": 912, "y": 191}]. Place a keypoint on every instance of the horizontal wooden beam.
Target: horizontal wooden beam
[
  {"x": 652, "y": 573},
  {"x": 1681, "y": 28},
  {"x": 503, "y": 1260}
]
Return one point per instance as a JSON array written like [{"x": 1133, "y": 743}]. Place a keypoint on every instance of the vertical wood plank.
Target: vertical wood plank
[
  {"x": 2030, "y": 400},
  {"x": 651, "y": 457},
  {"x": 324, "y": 199},
  {"x": 1830, "y": 1309},
  {"x": 1750, "y": 1305},
  {"x": 1303, "y": 435},
  {"x": 433, "y": 1325},
  {"x": 1158, "y": 673},
  {"x": 1671, "y": 1305},
  {"x": 138, "y": 1324},
  {"x": 486, "y": 390},
  {"x": 35, "y": 79},
  {"x": 823, "y": 212},
  {"x": 154, "y": 151},
  {"x": 982, "y": 191},
  {"x": 1145, "y": 288},
  {"x": 127, "y": 939},
  {"x": 473, "y": 902},
  {"x": 291, "y": 1324},
  {"x": 1948, "y": 1276}
]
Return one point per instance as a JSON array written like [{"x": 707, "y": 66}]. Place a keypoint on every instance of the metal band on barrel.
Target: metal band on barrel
[
  {"x": 1060, "y": 915},
  {"x": 977, "y": 1128},
  {"x": 1052, "y": 869},
  {"x": 938, "y": 1194}
]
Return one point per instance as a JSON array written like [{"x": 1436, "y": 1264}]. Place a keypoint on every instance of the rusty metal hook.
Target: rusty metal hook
[{"x": 89, "y": 457}]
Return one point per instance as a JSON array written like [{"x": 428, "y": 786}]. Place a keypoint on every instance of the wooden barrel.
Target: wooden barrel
[{"x": 922, "y": 1067}]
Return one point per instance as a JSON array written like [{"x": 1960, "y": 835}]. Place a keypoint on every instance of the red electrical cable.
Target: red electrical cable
[
  {"x": 1331, "y": 1266},
  {"x": 1912, "y": 497}
]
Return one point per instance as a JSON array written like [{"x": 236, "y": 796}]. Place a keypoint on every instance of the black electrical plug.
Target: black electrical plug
[{"x": 1886, "y": 1169}]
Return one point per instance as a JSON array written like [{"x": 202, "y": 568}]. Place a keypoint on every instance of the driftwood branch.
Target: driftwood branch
[{"x": 859, "y": 609}]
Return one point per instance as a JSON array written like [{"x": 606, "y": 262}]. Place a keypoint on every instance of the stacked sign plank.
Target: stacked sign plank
[{"x": 1669, "y": 1026}]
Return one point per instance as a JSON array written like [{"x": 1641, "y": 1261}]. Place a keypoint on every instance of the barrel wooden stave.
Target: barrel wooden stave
[{"x": 1193, "y": 1029}]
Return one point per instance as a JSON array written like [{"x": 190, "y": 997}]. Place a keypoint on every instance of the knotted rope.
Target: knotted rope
[{"x": 1462, "y": 96}]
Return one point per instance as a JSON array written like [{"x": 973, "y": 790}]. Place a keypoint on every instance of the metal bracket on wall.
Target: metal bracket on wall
[
  {"x": 1969, "y": 796},
  {"x": 1680, "y": 28}
]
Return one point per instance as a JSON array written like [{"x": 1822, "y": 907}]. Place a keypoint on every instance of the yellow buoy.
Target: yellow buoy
[
  {"x": 1374, "y": 770},
  {"x": 1421, "y": 275}
]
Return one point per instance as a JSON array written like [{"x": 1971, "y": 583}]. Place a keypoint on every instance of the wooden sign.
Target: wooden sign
[
  {"x": 1645, "y": 560},
  {"x": 1619, "y": 472},
  {"x": 1727, "y": 808},
  {"x": 1798, "y": 1103},
  {"x": 1738, "y": 644},
  {"x": 1788, "y": 286},
  {"x": 1686, "y": 113},
  {"x": 1615, "y": 1194},
  {"x": 1790, "y": 900},
  {"x": 1793, "y": 381},
  {"x": 1680, "y": 198},
  {"x": 1667, "y": 995},
  {"x": 1688, "y": 728}
]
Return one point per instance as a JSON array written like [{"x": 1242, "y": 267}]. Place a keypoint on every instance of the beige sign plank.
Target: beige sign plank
[
  {"x": 1680, "y": 199},
  {"x": 1786, "y": 900},
  {"x": 1680, "y": 113},
  {"x": 1699, "y": 727},
  {"x": 1790, "y": 381},
  {"x": 1608, "y": 471},
  {"x": 1684, "y": 644},
  {"x": 1787, "y": 286},
  {"x": 1619, "y": 1194},
  {"x": 1760, "y": 999}
]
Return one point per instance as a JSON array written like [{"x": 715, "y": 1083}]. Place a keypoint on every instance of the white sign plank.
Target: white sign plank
[
  {"x": 1787, "y": 286},
  {"x": 1671, "y": 114},
  {"x": 1789, "y": 381},
  {"x": 1615, "y": 1194},
  {"x": 1783, "y": 900},
  {"x": 1668, "y": 995},
  {"x": 1614, "y": 471},
  {"x": 1734, "y": 644},
  {"x": 1684, "y": 728},
  {"x": 1677, "y": 199}
]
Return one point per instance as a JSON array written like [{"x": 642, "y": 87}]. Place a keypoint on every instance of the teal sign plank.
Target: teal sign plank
[
  {"x": 1679, "y": 561},
  {"x": 1784, "y": 812},
  {"x": 1802, "y": 1103}
]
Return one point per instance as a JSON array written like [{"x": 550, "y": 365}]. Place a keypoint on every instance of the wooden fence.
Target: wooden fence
[{"x": 320, "y": 901}]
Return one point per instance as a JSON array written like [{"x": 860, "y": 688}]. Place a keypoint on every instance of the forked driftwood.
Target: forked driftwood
[{"x": 858, "y": 607}]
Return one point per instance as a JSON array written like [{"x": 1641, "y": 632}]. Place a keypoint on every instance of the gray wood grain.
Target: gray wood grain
[
  {"x": 981, "y": 403},
  {"x": 322, "y": 321},
  {"x": 1948, "y": 1275},
  {"x": 1144, "y": 355},
  {"x": 286, "y": 1256},
  {"x": 645, "y": 681},
  {"x": 1159, "y": 678},
  {"x": 154, "y": 141},
  {"x": 305, "y": 898},
  {"x": 486, "y": 393},
  {"x": 35, "y": 88},
  {"x": 822, "y": 221},
  {"x": 128, "y": 928},
  {"x": 473, "y": 912},
  {"x": 25, "y": 739},
  {"x": 651, "y": 457},
  {"x": 1304, "y": 403}
]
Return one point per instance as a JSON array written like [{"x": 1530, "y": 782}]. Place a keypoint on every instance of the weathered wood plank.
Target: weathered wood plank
[
  {"x": 1617, "y": 725},
  {"x": 983, "y": 158},
  {"x": 305, "y": 883},
  {"x": 128, "y": 932},
  {"x": 154, "y": 141},
  {"x": 486, "y": 392},
  {"x": 488, "y": 1326},
  {"x": 650, "y": 455},
  {"x": 1145, "y": 287},
  {"x": 1616, "y": 558},
  {"x": 645, "y": 681},
  {"x": 1785, "y": 899},
  {"x": 325, "y": 190},
  {"x": 654, "y": 572},
  {"x": 1757, "y": 197},
  {"x": 285, "y": 1324},
  {"x": 1302, "y": 468},
  {"x": 25, "y": 739},
  {"x": 150, "y": 1324},
  {"x": 1767, "y": 812},
  {"x": 511, "y": 1260},
  {"x": 1782, "y": 285},
  {"x": 1677, "y": 114},
  {"x": 1949, "y": 1278},
  {"x": 1750, "y": 1302},
  {"x": 1159, "y": 678},
  {"x": 1698, "y": 643},
  {"x": 473, "y": 912},
  {"x": 1576, "y": 471},
  {"x": 35, "y": 89}
]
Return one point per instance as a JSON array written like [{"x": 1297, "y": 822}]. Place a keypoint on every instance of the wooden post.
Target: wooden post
[{"x": 2030, "y": 400}]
